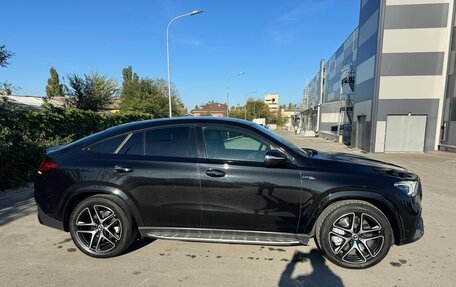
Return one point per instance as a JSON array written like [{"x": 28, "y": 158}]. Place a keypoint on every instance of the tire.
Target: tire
[
  {"x": 346, "y": 242},
  {"x": 103, "y": 238}
]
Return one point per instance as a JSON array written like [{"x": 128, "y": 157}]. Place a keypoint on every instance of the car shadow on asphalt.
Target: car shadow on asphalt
[
  {"x": 320, "y": 275},
  {"x": 138, "y": 244}
]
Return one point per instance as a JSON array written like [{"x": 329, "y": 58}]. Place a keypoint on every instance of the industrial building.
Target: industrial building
[{"x": 390, "y": 87}]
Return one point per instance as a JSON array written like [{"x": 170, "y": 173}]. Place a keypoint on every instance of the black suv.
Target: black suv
[{"x": 227, "y": 181}]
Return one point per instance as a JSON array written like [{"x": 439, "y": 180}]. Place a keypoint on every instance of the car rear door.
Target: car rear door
[
  {"x": 157, "y": 167},
  {"x": 238, "y": 191}
]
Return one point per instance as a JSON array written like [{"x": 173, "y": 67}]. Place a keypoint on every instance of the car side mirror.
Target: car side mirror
[{"x": 274, "y": 158}]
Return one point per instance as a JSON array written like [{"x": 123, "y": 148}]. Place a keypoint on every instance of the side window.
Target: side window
[
  {"x": 134, "y": 145},
  {"x": 226, "y": 144},
  {"x": 237, "y": 141},
  {"x": 172, "y": 142},
  {"x": 108, "y": 146}
]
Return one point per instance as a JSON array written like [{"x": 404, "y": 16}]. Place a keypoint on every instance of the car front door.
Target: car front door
[
  {"x": 158, "y": 169},
  {"x": 238, "y": 191}
]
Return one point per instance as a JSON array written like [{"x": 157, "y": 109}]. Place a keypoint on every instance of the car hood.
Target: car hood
[
  {"x": 356, "y": 159},
  {"x": 362, "y": 163}
]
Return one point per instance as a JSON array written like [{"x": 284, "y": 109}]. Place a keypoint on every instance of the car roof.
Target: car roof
[
  {"x": 180, "y": 120},
  {"x": 139, "y": 125}
]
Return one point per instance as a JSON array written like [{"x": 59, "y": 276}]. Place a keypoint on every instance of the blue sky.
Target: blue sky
[{"x": 278, "y": 44}]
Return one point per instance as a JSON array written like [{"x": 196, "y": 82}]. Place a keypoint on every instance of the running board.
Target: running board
[{"x": 225, "y": 236}]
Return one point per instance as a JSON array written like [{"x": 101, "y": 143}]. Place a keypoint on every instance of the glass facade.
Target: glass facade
[
  {"x": 448, "y": 135},
  {"x": 345, "y": 55}
]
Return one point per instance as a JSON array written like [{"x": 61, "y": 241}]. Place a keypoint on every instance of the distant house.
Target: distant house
[
  {"x": 36, "y": 102},
  {"x": 33, "y": 102},
  {"x": 113, "y": 106},
  {"x": 210, "y": 109}
]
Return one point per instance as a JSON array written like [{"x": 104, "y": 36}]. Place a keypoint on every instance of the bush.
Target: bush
[{"x": 25, "y": 134}]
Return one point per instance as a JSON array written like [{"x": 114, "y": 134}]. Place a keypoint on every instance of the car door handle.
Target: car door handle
[
  {"x": 123, "y": 169},
  {"x": 215, "y": 173}
]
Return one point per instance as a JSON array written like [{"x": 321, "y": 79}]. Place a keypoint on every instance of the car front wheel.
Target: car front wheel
[
  {"x": 101, "y": 226},
  {"x": 354, "y": 234}
]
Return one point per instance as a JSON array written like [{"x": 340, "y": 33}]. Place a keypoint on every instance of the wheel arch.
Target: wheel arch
[
  {"x": 79, "y": 194},
  {"x": 376, "y": 199}
]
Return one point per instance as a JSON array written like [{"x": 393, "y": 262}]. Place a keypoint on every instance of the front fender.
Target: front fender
[{"x": 386, "y": 205}]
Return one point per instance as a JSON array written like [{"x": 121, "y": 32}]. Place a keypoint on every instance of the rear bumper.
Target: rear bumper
[
  {"x": 45, "y": 219},
  {"x": 48, "y": 197}
]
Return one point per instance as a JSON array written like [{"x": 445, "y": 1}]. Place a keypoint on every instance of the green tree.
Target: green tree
[
  {"x": 255, "y": 108},
  {"x": 6, "y": 89},
  {"x": 53, "y": 87},
  {"x": 148, "y": 96},
  {"x": 130, "y": 84},
  {"x": 236, "y": 112},
  {"x": 5, "y": 55},
  {"x": 277, "y": 119},
  {"x": 90, "y": 92},
  {"x": 258, "y": 109}
]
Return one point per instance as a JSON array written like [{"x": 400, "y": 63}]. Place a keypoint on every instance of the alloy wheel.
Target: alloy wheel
[
  {"x": 356, "y": 237},
  {"x": 98, "y": 229}
]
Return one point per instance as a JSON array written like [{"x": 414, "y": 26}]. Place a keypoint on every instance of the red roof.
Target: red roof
[{"x": 211, "y": 108}]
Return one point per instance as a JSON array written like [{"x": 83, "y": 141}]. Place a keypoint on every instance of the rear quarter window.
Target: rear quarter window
[
  {"x": 134, "y": 145},
  {"x": 107, "y": 146}
]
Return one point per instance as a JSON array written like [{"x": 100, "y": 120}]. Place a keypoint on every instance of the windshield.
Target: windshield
[{"x": 282, "y": 140}]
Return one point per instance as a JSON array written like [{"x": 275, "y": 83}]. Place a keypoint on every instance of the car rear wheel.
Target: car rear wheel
[
  {"x": 101, "y": 226},
  {"x": 354, "y": 234}
]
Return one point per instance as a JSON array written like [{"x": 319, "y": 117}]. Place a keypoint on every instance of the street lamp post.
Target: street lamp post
[
  {"x": 228, "y": 91},
  {"x": 167, "y": 54},
  {"x": 245, "y": 110}
]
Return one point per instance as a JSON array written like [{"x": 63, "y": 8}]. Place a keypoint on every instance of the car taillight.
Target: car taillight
[{"x": 47, "y": 165}]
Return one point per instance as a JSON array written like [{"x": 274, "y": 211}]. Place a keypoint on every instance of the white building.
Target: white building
[{"x": 272, "y": 100}]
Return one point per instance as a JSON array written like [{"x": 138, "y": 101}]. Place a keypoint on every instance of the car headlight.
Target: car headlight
[{"x": 409, "y": 187}]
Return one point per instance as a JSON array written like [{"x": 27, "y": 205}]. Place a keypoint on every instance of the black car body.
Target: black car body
[{"x": 226, "y": 180}]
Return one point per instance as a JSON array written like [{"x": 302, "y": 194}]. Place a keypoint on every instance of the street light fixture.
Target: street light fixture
[
  {"x": 195, "y": 12},
  {"x": 228, "y": 91},
  {"x": 245, "y": 110}
]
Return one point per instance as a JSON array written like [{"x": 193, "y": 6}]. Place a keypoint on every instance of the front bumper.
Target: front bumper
[
  {"x": 419, "y": 232},
  {"x": 410, "y": 212},
  {"x": 412, "y": 221}
]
